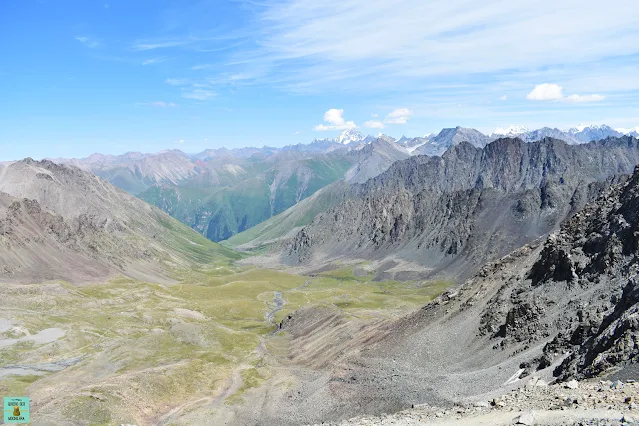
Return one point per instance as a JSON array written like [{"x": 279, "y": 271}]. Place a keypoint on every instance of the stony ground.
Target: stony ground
[{"x": 582, "y": 403}]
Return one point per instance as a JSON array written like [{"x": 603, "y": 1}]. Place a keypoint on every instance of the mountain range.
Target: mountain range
[
  {"x": 452, "y": 213},
  {"x": 441, "y": 281},
  {"x": 561, "y": 307},
  {"x": 222, "y": 192}
]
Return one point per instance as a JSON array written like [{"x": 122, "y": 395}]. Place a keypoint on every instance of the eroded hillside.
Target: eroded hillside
[{"x": 60, "y": 222}]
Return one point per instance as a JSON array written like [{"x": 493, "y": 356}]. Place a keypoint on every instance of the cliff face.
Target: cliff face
[
  {"x": 467, "y": 207},
  {"x": 582, "y": 290}
]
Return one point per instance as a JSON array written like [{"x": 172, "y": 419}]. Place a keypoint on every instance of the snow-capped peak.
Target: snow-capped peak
[
  {"x": 510, "y": 131},
  {"x": 350, "y": 135},
  {"x": 631, "y": 130},
  {"x": 592, "y": 127},
  {"x": 579, "y": 128}
]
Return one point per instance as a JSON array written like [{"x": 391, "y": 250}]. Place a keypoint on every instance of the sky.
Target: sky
[{"x": 111, "y": 76}]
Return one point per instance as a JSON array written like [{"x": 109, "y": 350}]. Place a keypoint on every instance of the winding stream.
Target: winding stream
[{"x": 276, "y": 306}]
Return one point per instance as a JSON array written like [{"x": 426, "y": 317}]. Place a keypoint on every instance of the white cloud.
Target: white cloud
[
  {"x": 546, "y": 92},
  {"x": 374, "y": 115},
  {"x": 399, "y": 116},
  {"x": 584, "y": 98},
  {"x": 202, "y": 67},
  {"x": 176, "y": 81},
  {"x": 374, "y": 124},
  {"x": 88, "y": 42},
  {"x": 503, "y": 98},
  {"x": 334, "y": 118},
  {"x": 199, "y": 94},
  {"x": 554, "y": 92},
  {"x": 162, "y": 104},
  {"x": 408, "y": 54},
  {"x": 153, "y": 61},
  {"x": 179, "y": 142},
  {"x": 383, "y": 44},
  {"x": 158, "y": 104},
  {"x": 158, "y": 45}
]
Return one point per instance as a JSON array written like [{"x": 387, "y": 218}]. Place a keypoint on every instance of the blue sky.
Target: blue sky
[{"x": 110, "y": 76}]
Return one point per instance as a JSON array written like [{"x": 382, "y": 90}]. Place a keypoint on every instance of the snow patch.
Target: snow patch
[{"x": 510, "y": 131}]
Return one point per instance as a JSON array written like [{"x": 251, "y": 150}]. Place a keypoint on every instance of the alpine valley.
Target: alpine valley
[{"x": 361, "y": 280}]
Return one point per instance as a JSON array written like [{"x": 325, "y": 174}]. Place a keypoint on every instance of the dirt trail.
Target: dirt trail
[{"x": 232, "y": 384}]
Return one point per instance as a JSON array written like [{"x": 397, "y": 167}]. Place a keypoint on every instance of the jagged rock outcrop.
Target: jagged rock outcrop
[
  {"x": 581, "y": 294},
  {"x": 467, "y": 207}
]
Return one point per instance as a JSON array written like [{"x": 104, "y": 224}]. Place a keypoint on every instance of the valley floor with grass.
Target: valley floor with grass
[{"x": 126, "y": 351}]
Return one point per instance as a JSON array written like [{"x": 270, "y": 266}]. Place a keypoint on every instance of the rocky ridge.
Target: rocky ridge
[
  {"x": 582, "y": 291},
  {"x": 61, "y": 222},
  {"x": 467, "y": 207}
]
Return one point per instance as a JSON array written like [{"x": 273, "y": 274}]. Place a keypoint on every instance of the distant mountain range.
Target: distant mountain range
[
  {"x": 172, "y": 166},
  {"x": 220, "y": 192},
  {"x": 437, "y": 144}
]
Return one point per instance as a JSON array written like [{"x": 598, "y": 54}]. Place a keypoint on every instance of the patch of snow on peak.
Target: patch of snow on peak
[
  {"x": 581, "y": 127},
  {"x": 413, "y": 148},
  {"x": 510, "y": 131},
  {"x": 628, "y": 131},
  {"x": 350, "y": 135}
]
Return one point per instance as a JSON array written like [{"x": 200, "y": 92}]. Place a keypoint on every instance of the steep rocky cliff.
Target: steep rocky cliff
[
  {"x": 582, "y": 291},
  {"x": 466, "y": 207}
]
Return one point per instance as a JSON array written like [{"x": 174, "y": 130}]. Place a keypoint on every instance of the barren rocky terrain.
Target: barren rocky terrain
[
  {"x": 453, "y": 213},
  {"x": 535, "y": 402},
  {"x": 190, "y": 336}
]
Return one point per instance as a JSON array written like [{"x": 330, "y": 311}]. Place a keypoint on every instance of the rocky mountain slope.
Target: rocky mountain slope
[
  {"x": 460, "y": 210},
  {"x": 535, "y": 403},
  {"x": 547, "y": 132},
  {"x": 594, "y": 133},
  {"x": 549, "y": 312},
  {"x": 447, "y": 138},
  {"x": 211, "y": 190},
  {"x": 374, "y": 159},
  {"x": 629, "y": 132},
  {"x": 60, "y": 222},
  {"x": 285, "y": 225},
  {"x": 230, "y": 196},
  {"x": 370, "y": 161},
  {"x": 582, "y": 291},
  {"x": 134, "y": 171}
]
